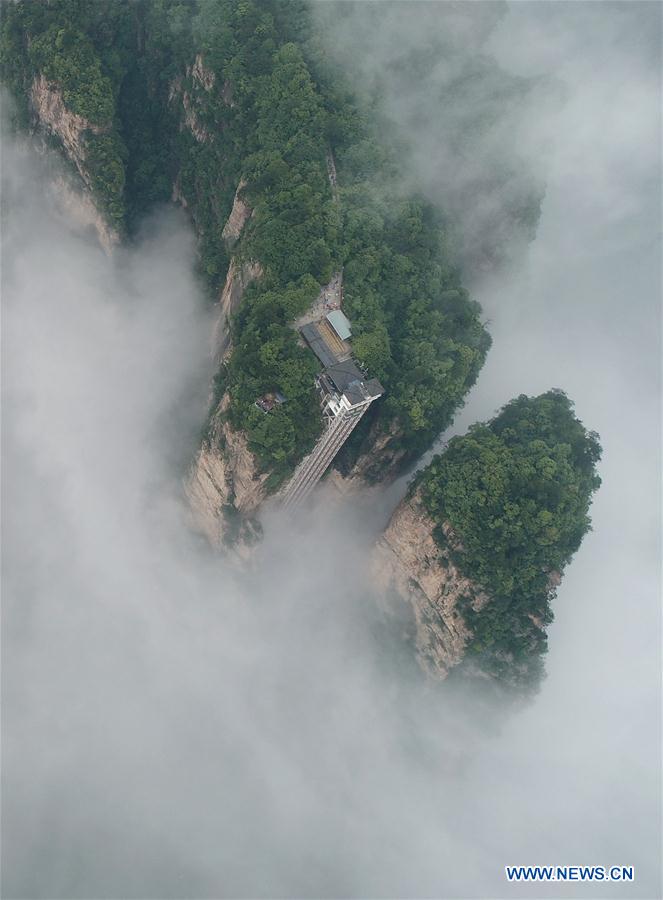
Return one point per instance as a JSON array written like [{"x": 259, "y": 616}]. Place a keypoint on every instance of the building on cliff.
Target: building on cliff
[{"x": 346, "y": 395}]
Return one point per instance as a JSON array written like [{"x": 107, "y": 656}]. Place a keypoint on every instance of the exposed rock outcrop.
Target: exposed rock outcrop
[
  {"x": 177, "y": 196},
  {"x": 49, "y": 107},
  {"x": 201, "y": 77},
  {"x": 201, "y": 133},
  {"x": 410, "y": 567},
  {"x": 239, "y": 277},
  {"x": 224, "y": 488},
  {"x": 200, "y": 73},
  {"x": 53, "y": 116},
  {"x": 239, "y": 215}
]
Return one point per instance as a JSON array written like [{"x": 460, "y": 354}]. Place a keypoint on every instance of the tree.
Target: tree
[{"x": 516, "y": 492}]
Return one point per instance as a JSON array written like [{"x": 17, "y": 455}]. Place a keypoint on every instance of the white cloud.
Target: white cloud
[{"x": 171, "y": 728}]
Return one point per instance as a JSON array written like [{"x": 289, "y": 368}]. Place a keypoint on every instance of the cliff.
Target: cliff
[
  {"x": 52, "y": 115},
  {"x": 199, "y": 77},
  {"x": 224, "y": 488},
  {"x": 504, "y": 507},
  {"x": 410, "y": 568},
  {"x": 238, "y": 217},
  {"x": 239, "y": 277},
  {"x": 49, "y": 107}
]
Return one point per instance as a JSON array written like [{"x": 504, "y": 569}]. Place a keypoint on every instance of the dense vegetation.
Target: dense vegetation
[
  {"x": 276, "y": 107},
  {"x": 81, "y": 48},
  {"x": 426, "y": 70},
  {"x": 517, "y": 493}
]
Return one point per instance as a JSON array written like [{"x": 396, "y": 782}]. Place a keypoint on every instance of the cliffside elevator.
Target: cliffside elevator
[{"x": 346, "y": 395}]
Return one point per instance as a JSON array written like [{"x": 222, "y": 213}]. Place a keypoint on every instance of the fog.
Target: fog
[{"x": 173, "y": 727}]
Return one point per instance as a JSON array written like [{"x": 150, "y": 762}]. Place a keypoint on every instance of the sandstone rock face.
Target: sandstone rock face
[
  {"x": 49, "y": 107},
  {"x": 203, "y": 78},
  {"x": 409, "y": 567},
  {"x": 239, "y": 277},
  {"x": 238, "y": 217},
  {"x": 200, "y": 73},
  {"x": 224, "y": 488},
  {"x": 177, "y": 196},
  {"x": 192, "y": 122}
]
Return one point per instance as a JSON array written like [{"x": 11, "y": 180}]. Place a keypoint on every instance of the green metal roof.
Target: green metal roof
[{"x": 340, "y": 323}]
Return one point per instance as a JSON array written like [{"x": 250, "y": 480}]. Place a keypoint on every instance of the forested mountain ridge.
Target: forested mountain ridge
[
  {"x": 190, "y": 100},
  {"x": 480, "y": 545},
  {"x": 234, "y": 110}
]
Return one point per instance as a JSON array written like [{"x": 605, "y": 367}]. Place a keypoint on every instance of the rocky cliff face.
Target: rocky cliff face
[
  {"x": 201, "y": 78},
  {"x": 410, "y": 568},
  {"x": 238, "y": 217},
  {"x": 200, "y": 73},
  {"x": 53, "y": 116},
  {"x": 239, "y": 277},
  {"x": 49, "y": 107},
  {"x": 224, "y": 488}
]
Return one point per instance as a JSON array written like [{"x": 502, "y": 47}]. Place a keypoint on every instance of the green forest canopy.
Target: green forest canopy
[
  {"x": 276, "y": 108},
  {"x": 516, "y": 492}
]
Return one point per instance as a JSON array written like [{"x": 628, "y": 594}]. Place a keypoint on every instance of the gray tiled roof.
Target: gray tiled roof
[
  {"x": 312, "y": 337},
  {"x": 344, "y": 374}
]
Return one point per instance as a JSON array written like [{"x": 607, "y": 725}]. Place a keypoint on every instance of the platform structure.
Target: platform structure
[{"x": 346, "y": 395}]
